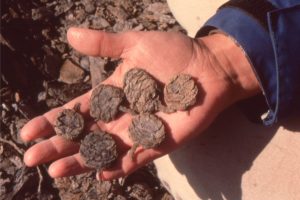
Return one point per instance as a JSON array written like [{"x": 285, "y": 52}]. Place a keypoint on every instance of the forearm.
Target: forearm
[
  {"x": 268, "y": 32},
  {"x": 234, "y": 63}
]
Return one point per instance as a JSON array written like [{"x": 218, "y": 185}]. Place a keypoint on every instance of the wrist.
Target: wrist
[{"x": 235, "y": 64}]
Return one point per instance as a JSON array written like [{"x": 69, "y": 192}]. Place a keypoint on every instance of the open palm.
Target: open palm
[{"x": 163, "y": 55}]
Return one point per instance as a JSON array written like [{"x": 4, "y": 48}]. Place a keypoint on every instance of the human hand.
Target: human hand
[{"x": 211, "y": 60}]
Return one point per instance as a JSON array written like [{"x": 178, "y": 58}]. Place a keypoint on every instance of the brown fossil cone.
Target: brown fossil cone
[
  {"x": 181, "y": 92},
  {"x": 146, "y": 130},
  {"x": 141, "y": 91},
  {"x": 98, "y": 150},
  {"x": 69, "y": 124},
  {"x": 105, "y": 102}
]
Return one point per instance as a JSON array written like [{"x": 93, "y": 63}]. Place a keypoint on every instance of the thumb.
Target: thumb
[{"x": 99, "y": 43}]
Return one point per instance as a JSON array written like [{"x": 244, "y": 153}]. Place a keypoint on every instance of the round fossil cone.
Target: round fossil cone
[
  {"x": 105, "y": 102},
  {"x": 69, "y": 124},
  {"x": 181, "y": 92},
  {"x": 98, "y": 150},
  {"x": 147, "y": 130},
  {"x": 141, "y": 91}
]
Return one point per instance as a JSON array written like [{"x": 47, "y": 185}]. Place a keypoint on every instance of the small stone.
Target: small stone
[
  {"x": 99, "y": 23},
  {"x": 120, "y": 197},
  {"x": 141, "y": 191},
  {"x": 105, "y": 102},
  {"x": 42, "y": 96},
  {"x": 40, "y": 13},
  {"x": 47, "y": 33},
  {"x": 181, "y": 92},
  {"x": 80, "y": 15},
  {"x": 17, "y": 97},
  {"x": 98, "y": 150},
  {"x": 122, "y": 26},
  {"x": 166, "y": 19},
  {"x": 87, "y": 78},
  {"x": 71, "y": 73},
  {"x": 52, "y": 103},
  {"x": 118, "y": 12},
  {"x": 97, "y": 70},
  {"x": 139, "y": 27},
  {"x": 75, "y": 56},
  {"x": 89, "y": 8},
  {"x": 63, "y": 8},
  {"x": 69, "y": 123},
  {"x": 15, "y": 106},
  {"x": 85, "y": 63},
  {"x": 158, "y": 8}
]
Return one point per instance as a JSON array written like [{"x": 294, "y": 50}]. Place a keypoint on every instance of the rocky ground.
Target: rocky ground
[{"x": 39, "y": 71}]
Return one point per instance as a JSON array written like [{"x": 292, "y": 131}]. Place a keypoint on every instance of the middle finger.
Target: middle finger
[{"x": 50, "y": 149}]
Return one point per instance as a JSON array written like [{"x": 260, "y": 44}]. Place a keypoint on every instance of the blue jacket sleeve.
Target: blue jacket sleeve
[{"x": 269, "y": 33}]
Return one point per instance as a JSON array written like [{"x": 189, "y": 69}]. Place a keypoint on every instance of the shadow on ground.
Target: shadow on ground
[{"x": 223, "y": 154}]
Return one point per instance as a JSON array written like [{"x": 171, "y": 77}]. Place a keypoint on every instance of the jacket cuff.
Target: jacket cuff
[{"x": 255, "y": 40}]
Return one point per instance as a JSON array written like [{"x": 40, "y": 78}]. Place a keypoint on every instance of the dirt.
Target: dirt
[
  {"x": 85, "y": 186},
  {"x": 35, "y": 67}
]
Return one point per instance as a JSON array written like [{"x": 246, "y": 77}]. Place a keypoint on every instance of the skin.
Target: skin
[{"x": 219, "y": 66}]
